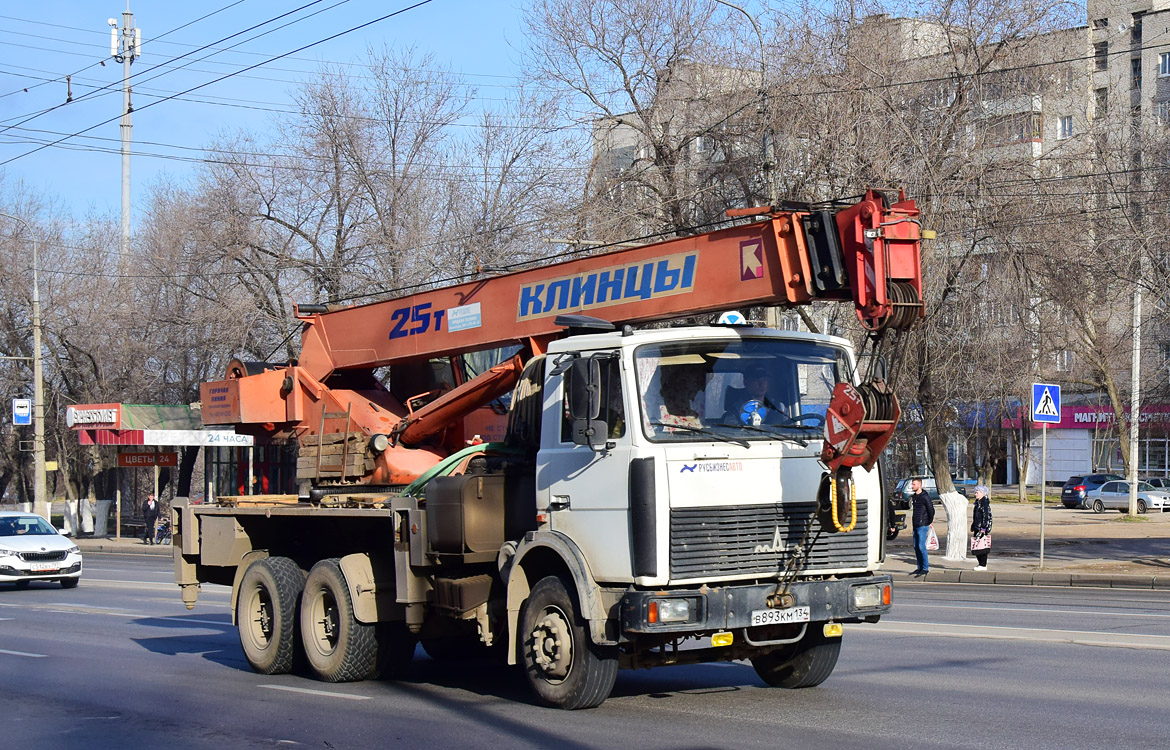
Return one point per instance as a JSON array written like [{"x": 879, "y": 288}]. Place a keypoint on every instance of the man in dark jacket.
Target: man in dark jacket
[
  {"x": 923, "y": 518},
  {"x": 150, "y": 516}
]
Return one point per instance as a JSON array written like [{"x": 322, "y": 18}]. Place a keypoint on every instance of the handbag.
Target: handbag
[
  {"x": 931, "y": 539},
  {"x": 982, "y": 541}
]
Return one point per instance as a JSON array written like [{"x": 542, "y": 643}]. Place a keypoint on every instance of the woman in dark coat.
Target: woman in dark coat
[{"x": 981, "y": 527}]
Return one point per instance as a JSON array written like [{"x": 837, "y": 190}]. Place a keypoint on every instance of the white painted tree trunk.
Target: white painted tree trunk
[{"x": 956, "y": 507}]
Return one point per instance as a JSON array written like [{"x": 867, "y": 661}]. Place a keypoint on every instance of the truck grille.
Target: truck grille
[
  {"x": 742, "y": 539},
  {"x": 42, "y": 556}
]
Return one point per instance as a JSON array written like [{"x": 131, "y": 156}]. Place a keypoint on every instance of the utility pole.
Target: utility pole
[
  {"x": 1135, "y": 399},
  {"x": 40, "y": 490},
  {"x": 125, "y": 48}
]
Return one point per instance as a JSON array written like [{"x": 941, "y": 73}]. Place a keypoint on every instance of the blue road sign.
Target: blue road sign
[
  {"x": 1045, "y": 402},
  {"x": 21, "y": 412}
]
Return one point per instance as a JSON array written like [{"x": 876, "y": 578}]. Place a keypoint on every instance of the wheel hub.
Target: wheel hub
[{"x": 552, "y": 645}]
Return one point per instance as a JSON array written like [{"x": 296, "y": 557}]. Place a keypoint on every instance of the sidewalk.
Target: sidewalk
[{"x": 1081, "y": 548}]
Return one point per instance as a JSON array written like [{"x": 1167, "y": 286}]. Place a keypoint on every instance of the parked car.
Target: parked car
[
  {"x": 32, "y": 550},
  {"x": 1074, "y": 491},
  {"x": 1115, "y": 495},
  {"x": 903, "y": 492},
  {"x": 1160, "y": 483}
]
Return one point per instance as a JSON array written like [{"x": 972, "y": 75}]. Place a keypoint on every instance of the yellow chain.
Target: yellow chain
[{"x": 852, "y": 504}]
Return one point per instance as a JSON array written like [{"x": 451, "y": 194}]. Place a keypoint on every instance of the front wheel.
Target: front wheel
[
  {"x": 1141, "y": 505},
  {"x": 266, "y": 614},
  {"x": 563, "y": 667},
  {"x": 337, "y": 646},
  {"x": 71, "y": 583},
  {"x": 1098, "y": 506},
  {"x": 806, "y": 663}
]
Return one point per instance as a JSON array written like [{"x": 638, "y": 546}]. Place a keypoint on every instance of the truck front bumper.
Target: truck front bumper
[{"x": 732, "y": 607}]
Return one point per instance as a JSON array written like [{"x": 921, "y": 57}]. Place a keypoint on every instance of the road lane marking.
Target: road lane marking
[
  {"x": 998, "y": 632},
  {"x": 325, "y": 693},
  {"x": 1094, "y": 612},
  {"x": 23, "y": 653},
  {"x": 89, "y": 609}
]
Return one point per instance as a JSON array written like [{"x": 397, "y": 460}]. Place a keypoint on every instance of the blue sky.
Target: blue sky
[{"x": 40, "y": 43}]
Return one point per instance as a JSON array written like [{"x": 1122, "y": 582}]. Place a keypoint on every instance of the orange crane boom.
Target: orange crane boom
[{"x": 868, "y": 252}]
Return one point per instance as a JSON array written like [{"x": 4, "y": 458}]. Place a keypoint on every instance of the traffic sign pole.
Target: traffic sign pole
[
  {"x": 1045, "y": 410},
  {"x": 1043, "y": 484}
]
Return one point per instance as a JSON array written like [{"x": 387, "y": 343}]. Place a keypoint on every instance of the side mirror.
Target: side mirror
[
  {"x": 584, "y": 389},
  {"x": 585, "y": 403}
]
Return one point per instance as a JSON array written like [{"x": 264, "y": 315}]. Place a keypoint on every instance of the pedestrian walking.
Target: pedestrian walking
[
  {"x": 923, "y": 518},
  {"x": 981, "y": 527},
  {"x": 150, "y": 516}
]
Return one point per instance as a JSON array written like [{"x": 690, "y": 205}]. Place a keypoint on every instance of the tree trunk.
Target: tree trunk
[
  {"x": 956, "y": 507},
  {"x": 186, "y": 468}
]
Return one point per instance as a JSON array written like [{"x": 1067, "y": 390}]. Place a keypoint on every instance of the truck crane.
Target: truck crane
[{"x": 648, "y": 494}]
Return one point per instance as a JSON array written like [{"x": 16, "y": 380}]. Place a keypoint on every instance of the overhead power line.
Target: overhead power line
[{"x": 229, "y": 75}]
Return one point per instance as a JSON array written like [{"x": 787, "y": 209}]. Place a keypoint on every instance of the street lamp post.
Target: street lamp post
[
  {"x": 767, "y": 162},
  {"x": 40, "y": 490}
]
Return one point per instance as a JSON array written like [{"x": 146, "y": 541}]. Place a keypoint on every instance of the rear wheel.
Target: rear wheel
[
  {"x": 337, "y": 646},
  {"x": 1098, "y": 506},
  {"x": 266, "y": 613},
  {"x": 806, "y": 663},
  {"x": 562, "y": 665}
]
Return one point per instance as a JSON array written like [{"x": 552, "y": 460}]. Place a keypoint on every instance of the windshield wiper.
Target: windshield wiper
[
  {"x": 704, "y": 431},
  {"x": 774, "y": 432}
]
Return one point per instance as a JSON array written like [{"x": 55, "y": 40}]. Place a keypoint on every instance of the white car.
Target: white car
[
  {"x": 32, "y": 550},
  {"x": 1115, "y": 495}
]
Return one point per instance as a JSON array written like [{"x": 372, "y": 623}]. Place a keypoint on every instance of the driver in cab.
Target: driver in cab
[{"x": 752, "y": 404}]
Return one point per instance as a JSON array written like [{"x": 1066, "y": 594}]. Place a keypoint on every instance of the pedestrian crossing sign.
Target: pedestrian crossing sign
[{"x": 1045, "y": 403}]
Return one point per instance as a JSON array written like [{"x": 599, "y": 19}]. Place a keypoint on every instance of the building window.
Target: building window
[
  {"x": 1135, "y": 73},
  {"x": 1164, "y": 64},
  {"x": 1135, "y": 30},
  {"x": 1163, "y": 112},
  {"x": 1101, "y": 55},
  {"x": 1101, "y": 23},
  {"x": 1102, "y": 102},
  {"x": 1063, "y": 360},
  {"x": 1064, "y": 128}
]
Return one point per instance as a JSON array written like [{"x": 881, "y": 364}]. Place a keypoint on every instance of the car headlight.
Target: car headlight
[
  {"x": 7, "y": 552},
  {"x": 72, "y": 549}
]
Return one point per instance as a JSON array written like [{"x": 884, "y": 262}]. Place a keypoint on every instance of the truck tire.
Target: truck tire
[
  {"x": 806, "y": 663},
  {"x": 564, "y": 668},
  {"x": 338, "y": 648},
  {"x": 266, "y": 613}
]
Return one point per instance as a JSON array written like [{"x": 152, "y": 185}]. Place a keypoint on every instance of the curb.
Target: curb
[
  {"x": 124, "y": 548},
  {"x": 1021, "y": 578}
]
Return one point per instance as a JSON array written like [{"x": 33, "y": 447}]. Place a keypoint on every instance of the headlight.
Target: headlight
[
  {"x": 875, "y": 595},
  {"x": 6, "y": 552},
  {"x": 670, "y": 610},
  {"x": 72, "y": 549}
]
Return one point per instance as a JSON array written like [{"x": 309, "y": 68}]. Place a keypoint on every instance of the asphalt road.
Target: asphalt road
[{"x": 119, "y": 662}]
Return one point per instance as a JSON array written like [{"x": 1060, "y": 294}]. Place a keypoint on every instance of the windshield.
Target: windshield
[
  {"x": 22, "y": 525},
  {"x": 740, "y": 389}
]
